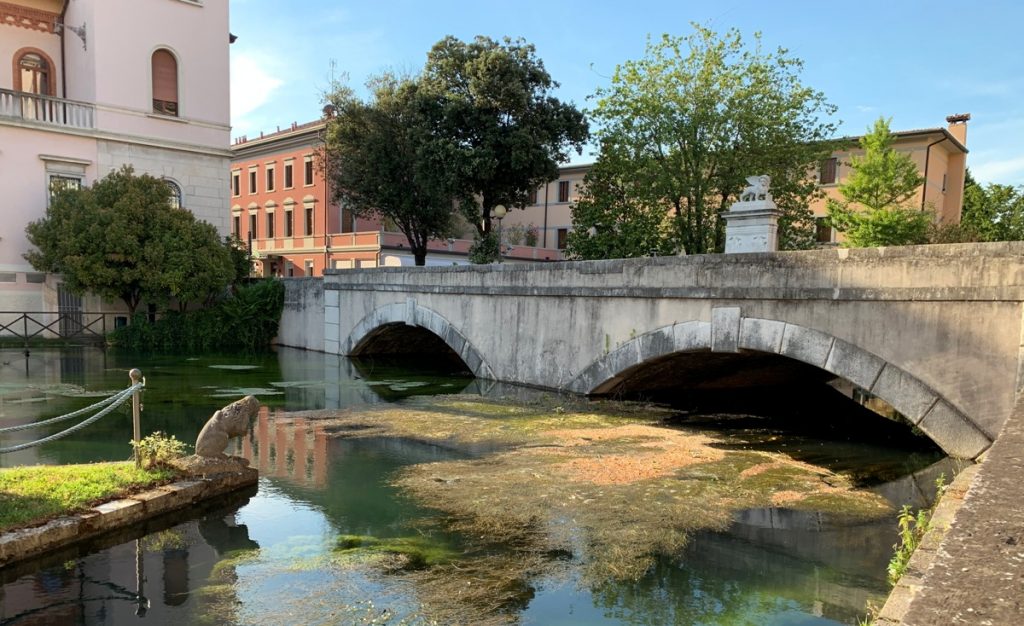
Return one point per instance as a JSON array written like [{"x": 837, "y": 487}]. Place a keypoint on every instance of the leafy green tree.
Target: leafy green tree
[
  {"x": 385, "y": 159},
  {"x": 874, "y": 209},
  {"x": 120, "y": 239},
  {"x": 610, "y": 221},
  {"x": 240, "y": 258},
  {"x": 682, "y": 128},
  {"x": 503, "y": 132},
  {"x": 195, "y": 265},
  {"x": 994, "y": 211}
]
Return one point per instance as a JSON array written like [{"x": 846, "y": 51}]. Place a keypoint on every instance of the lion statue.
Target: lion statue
[
  {"x": 757, "y": 189},
  {"x": 231, "y": 421}
]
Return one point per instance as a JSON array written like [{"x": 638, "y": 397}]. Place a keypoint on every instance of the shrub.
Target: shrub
[
  {"x": 246, "y": 321},
  {"x": 159, "y": 449}
]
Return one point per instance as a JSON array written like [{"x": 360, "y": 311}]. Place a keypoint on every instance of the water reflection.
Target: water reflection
[
  {"x": 183, "y": 392},
  {"x": 269, "y": 556},
  {"x": 149, "y": 571}
]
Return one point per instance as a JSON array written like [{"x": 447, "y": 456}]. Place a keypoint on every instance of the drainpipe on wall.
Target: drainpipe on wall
[
  {"x": 927, "y": 156},
  {"x": 63, "y": 74},
  {"x": 546, "y": 186}
]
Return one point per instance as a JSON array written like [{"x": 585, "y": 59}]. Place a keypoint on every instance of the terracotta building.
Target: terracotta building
[
  {"x": 280, "y": 209},
  {"x": 87, "y": 86}
]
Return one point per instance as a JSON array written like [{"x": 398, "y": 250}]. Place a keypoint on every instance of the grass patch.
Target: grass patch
[{"x": 35, "y": 494}]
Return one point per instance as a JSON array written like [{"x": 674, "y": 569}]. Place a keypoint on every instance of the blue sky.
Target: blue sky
[{"x": 913, "y": 61}]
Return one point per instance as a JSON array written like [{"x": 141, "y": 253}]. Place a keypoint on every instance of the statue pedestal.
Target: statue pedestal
[{"x": 752, "y": 226}]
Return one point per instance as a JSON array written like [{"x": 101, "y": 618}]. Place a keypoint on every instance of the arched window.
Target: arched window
[
  {"x": 175, "y": 198},
  {"x": 165, "y": 83},
  {"x": 33, "y": 74}
]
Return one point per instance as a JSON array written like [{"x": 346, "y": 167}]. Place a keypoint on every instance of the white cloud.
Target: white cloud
[
  {"x": 992, "y": 169},
  {"x": 253, "y": 81}
]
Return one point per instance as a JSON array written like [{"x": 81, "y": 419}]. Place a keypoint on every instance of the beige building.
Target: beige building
[
  {"x": 940, "y": 155},
  {"x": 941, "y": 158},
  {"x": 87, "y": 86}
]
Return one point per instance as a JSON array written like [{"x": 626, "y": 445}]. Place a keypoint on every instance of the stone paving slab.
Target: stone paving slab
[
  {"x": 977, "y": 573},
  {"x": 27, "y": 543}
]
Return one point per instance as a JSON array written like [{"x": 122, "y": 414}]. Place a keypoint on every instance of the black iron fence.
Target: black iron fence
[{"x": 77, "y": 325}]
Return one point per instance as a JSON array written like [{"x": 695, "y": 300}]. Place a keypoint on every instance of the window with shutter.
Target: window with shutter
[
  {"x": 827, "y": 172},
  {"x": 165, "y": 83}
]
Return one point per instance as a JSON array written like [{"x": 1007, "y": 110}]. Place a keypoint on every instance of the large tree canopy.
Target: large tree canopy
[
  {"x": 874, "y": 209},
  {"x": 385, "y": 159},
  {"x": 505, "y": 133},
  {"x": 684, "y": 126},
  {"x": 122, "y": 239}
]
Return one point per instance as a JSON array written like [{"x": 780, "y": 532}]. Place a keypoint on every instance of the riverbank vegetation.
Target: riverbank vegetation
[
  {"x": 35, "y": 494},
  {"x": 245, "y": 321},
  {"x": 912, "y": 528}
]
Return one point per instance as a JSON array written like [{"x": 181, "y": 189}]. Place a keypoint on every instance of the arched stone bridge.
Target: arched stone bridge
[{"x": 935, "y": 331}]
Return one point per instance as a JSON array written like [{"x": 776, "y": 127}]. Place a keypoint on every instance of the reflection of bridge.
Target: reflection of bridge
[{"x": 932, "y": 330}]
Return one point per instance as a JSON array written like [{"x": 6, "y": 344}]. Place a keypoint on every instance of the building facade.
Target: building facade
[
  {"x": 939, "y": 153},
  {"x": 282, "y": 208},
  {"x": 87, "y": 86}
]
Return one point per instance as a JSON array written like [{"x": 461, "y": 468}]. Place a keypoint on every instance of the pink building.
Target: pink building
[{"x": 87, "y": 86}]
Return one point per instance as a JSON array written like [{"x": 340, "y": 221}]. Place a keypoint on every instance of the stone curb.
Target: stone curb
[
  {"x": 27, "y": 543},
  {"x": 898, "y": 602}
]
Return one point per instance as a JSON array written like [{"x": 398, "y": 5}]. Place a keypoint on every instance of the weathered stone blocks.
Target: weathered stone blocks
[
  {"x": 905, "y": 393},
  {"x": 854, "y": 364},
  {"x": 691, "y": 336},
  {"x": 761, "y": 335},
  {"x": 806, "y": 344},
  {"x": 725, "y": 329},
  {"x": 959, "y": 436}
]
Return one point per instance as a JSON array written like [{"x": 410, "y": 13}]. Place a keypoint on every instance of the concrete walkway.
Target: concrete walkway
[{"x": 977, "y": 576}]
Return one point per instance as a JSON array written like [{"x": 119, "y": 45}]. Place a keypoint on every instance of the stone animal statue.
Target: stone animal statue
[
  {"x": 757, "y": 188},
  {"x": 231, "y": 421}
]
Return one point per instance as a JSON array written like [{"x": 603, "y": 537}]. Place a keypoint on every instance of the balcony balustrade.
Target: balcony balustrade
[{"x": 46, "y": 110}]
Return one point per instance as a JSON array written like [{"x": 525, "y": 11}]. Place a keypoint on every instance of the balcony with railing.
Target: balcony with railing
[{"x": 46, "y": 110}]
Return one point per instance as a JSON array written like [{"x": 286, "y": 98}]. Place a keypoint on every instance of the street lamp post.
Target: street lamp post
[{"x": 499, "y": 213}]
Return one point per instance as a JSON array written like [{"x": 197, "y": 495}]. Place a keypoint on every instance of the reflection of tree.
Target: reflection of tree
[
  {"x": 218, "y": 598},
  {"x": 224, "y": 535}
]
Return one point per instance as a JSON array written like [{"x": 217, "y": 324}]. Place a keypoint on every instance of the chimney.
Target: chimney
[{"x": 958, "y": 126}]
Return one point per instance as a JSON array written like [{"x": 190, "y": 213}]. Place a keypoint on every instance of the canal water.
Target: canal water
[{"x": 271, "y": 556}]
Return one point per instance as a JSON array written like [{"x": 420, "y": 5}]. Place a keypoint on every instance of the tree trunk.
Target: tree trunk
[{"x": 421, "y": 256}]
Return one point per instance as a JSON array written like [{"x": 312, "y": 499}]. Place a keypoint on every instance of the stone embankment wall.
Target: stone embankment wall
[
  {"x": 27, "y": 543},
  {"x": 302, "y": 321},
  {"x": 969, "y": 569}
]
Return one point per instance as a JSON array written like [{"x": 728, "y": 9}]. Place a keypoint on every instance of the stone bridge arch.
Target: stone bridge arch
[
  {"x": 938, "y": 418},
  {"x": 411, "y": 314}
]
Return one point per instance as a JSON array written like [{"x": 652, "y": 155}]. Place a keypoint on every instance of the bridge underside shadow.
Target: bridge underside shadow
[
  {"x": 683, "y": 372},
  {"x": 410, "y": 330},
  {"x": 734, "y": 352},
  {"x": 744, "y": 390}
]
